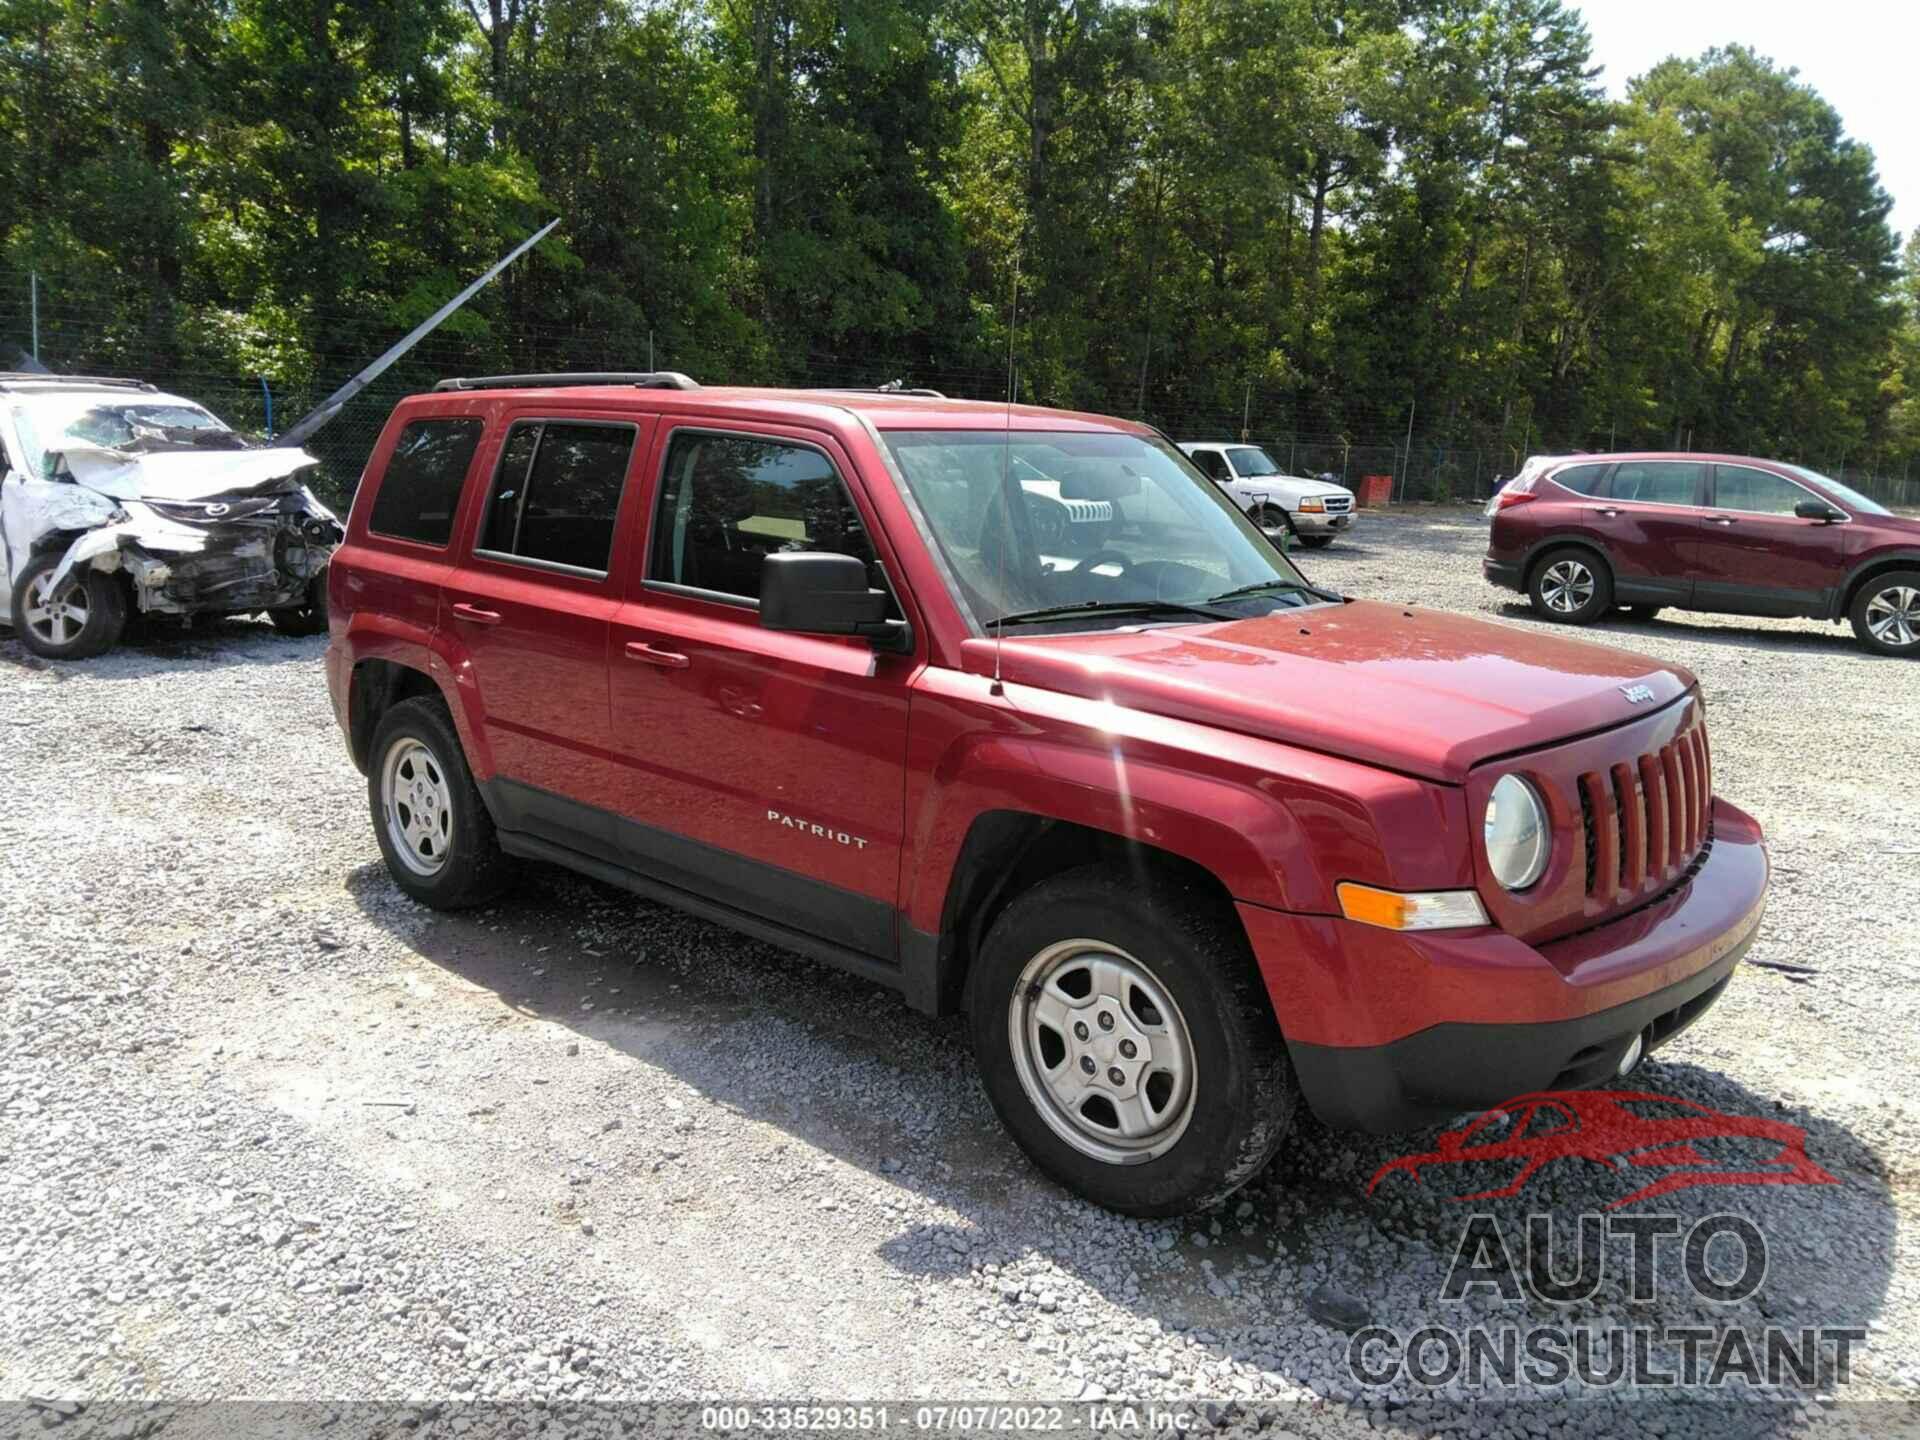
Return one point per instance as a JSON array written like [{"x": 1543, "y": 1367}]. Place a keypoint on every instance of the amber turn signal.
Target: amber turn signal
[{"x": 1415, "y": 910}]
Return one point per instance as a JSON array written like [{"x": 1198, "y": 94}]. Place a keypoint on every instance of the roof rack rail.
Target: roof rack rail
[
  {"x": 42, "y": 377},
  {"x": 640, "y": 379},
  {"x": 891, "y": 388}
]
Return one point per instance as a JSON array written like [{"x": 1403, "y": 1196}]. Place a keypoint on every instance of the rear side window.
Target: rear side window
[
  {"x": 421, "y": 487},
  {"x": 729, "y": 501},
  {"x": 1212, "y": 464},
  {"x": 1581, "y": 479},
  {"x": 557, "y": 492},
  {"x": 1658, "y": 482}
]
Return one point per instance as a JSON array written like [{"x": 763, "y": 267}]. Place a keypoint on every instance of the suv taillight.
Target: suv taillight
[{"x": 1511, "y": 498}]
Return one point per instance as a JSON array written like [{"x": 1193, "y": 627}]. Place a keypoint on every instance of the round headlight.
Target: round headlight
[{"x": 1517, "y": 834}]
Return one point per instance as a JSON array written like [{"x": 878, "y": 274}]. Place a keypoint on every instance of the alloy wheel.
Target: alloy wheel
[
  {"x": 1102, "y": 1052},
  {"x": 1893, "y": 616},
  {"x": 56, "y": 614},
  {"x": 419, "y": 806},
  {"x": 1566, "y": 587}
]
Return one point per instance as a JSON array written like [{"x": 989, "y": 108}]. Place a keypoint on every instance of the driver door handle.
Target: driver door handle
[
  {"x": 463, "y": 611},
  {"x": 648, "y": 655}
]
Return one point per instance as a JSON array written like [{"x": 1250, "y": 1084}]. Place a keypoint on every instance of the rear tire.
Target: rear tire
[
  {"x": 433, "y": 828},
  {"x": 1886, "y": 613},
  {"x": 1570, "y": 586},
  {"x": 80, "y": 618},
  {"x": 1160, "y": 985}
]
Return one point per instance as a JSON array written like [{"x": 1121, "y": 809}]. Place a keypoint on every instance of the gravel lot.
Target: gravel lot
[{"x": 271, "y": 1130}]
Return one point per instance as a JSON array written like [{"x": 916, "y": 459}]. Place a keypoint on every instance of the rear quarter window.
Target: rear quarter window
[
  {"x": 420, "y": 490},
  {"x": 1581, "y": 479}
]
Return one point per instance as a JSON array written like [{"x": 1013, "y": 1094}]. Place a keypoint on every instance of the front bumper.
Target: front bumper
[
  {"x": 1320, "y": 523},
  {"x": 1391, "y": 1031},
  {"x": 1502, "y": 574}
]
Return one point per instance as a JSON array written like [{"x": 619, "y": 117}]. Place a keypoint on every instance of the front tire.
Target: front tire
[
  {"x": 79, "y": 618},
  {"x": 434, "y": 830},
  {"x": 1886, "y": 613},
  {"x": 1127, "y": 1043},
  {"x": 1570, "y": 587},
  {"x": 308, "y": 618},
  {"x": 1316, "y": 542}
]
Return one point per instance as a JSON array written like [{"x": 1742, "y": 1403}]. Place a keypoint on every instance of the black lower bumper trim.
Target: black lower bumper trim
[
  {"x": 1506, "y": 576},
  {"x": 1447, "y": 1069}
]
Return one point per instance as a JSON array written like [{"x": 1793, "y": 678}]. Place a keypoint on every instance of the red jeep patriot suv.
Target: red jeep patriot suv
[{"x": 1187, "y": 837}]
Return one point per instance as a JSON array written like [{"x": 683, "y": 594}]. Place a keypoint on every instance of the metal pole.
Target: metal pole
[
  {"x": 1013, "y": 320},
  {"x": 1406, "y": 469},
  {"x": 33, "y": 280},
  {"x": 307, "y": 424},
  {"x": 1246, "y": 414},
  {"x": 266, "y": 391},
  {"x": 649, "y": 349},
  {"x": 1611, "y": 430}
]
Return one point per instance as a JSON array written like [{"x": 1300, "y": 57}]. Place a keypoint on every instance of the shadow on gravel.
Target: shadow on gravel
[
  {"x": 846, "y": 1068},
  {"x": 168, "y": 649},
  {"x": 1817, "y": 638}
]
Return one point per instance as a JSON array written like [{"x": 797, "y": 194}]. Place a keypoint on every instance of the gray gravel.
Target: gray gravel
[{"x": 271, "y": 1130}]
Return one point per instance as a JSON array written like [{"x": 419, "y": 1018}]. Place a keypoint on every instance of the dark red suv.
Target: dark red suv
[
  {"x": 1724, "y": 533},
  {"x": 1189, "y": 838}
]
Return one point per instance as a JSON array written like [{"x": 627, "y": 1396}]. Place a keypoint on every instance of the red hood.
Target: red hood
[{"x": 1420, "y": 691}]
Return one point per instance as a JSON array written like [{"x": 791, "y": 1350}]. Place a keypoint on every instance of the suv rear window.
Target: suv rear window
[
  {"x": 729, "y": 501},
  {"x": 557, "y": 492},
  {"x": 425, "y": 474},
  {"x": 1658, "y": 482}
]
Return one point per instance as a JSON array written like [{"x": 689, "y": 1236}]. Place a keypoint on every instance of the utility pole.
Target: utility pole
[
  {"x": 1013, "y": 320},
  {"x": 1406, "y": 467}
]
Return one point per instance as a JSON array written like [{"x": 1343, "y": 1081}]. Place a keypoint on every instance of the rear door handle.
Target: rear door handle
[
  {"x": 648, "y": 655},
  {"x": 1723, "y": 519},
  {"x": 463, "y": 611}
]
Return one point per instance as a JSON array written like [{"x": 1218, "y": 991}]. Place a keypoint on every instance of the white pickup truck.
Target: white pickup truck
[{"x": 1314, "y": 511}]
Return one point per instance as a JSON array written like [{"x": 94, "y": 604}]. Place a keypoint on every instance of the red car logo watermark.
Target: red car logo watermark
[{"x": 1626, "y": 1131}]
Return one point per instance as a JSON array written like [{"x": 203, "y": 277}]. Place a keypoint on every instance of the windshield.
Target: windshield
[
  {"x": 1036, "y": 520},
  {"x": 1844, "y": 493},
  {"x": 48, "y": 424},
  {"x": 1247, "y": 461}
]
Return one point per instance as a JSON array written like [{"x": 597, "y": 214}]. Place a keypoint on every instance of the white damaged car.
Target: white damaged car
[
  {"x": 1313, "y": 511},
  {"x": 118, "y": 500}
]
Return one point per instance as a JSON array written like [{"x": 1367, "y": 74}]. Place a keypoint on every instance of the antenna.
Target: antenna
[{"x": 1006, "y": 480}]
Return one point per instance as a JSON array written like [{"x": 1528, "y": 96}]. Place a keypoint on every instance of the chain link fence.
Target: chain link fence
[{"x": 1421, "y": 467}]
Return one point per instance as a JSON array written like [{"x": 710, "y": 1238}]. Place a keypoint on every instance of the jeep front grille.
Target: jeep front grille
[{"x": 1647, "y": 820}]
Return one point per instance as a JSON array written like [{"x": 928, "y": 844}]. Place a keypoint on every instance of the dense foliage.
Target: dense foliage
[{"x": 1338, "y": 219}]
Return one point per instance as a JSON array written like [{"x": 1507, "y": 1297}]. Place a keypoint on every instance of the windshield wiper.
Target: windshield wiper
[
  {"x": 1261, "y": 585},
  {"x": 1112, "y": 607}
]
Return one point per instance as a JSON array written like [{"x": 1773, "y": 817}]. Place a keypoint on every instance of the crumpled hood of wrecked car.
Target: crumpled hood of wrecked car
[
  {"x": 181, "y": 474},
  {"x": 1420, "y": 691}
]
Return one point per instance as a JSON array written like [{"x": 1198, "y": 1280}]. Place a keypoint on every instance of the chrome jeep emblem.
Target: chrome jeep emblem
[{"x": 1637, "y": 694}]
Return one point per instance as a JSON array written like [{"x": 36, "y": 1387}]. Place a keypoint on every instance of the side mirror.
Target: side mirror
[
  {"x": 1817, "y": 510},
  {"x": 818, "y": 592}
]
